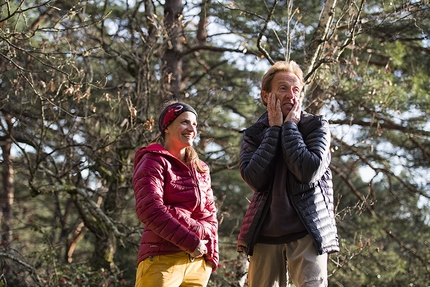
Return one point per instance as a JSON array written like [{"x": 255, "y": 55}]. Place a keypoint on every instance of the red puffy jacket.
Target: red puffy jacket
[{"x": 175, "y": 203}]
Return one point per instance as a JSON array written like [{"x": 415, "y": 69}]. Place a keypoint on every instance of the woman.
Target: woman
[{"x": 174, "y": 201}]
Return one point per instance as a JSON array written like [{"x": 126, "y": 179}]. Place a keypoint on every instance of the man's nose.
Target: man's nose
[{"x": 290, "y": 94}]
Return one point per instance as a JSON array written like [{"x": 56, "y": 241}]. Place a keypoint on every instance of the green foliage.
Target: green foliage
[
  {"x": 82, "y": 83},
  {"x": 47, "y": 256}
]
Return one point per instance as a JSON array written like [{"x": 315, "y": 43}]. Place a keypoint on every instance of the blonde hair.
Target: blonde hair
[
  {"x": 191, "y": 156},
  {"x": 281, "y": 66}
]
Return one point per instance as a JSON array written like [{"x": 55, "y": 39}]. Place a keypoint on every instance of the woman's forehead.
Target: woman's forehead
[{"x": 187, "y": 116}]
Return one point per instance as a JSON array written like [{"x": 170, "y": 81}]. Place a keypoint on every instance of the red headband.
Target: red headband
[{"x": 171, "y": 112}]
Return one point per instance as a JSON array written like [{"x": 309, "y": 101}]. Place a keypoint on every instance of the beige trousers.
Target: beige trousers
[{"x": 274, "y": 265}]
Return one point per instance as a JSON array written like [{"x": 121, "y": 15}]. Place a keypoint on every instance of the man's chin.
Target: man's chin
[{"x": 286, "y": 112}]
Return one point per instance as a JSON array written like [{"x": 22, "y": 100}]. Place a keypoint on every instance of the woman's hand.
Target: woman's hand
[{"x": 200, "y": 250}]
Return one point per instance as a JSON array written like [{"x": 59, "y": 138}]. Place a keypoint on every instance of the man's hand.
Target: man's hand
[
  {"x": 274, "y": 110},
  {"x": 295, "y": 112}
]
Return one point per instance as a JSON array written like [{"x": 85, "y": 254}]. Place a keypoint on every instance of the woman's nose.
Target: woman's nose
[{"x": 192, "y": 128}]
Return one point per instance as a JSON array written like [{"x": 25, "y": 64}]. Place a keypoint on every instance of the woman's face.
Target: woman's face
[{"x": 182, "y": 131}]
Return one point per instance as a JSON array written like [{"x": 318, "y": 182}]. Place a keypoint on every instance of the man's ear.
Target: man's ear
[{"x": 264, "y": 96}]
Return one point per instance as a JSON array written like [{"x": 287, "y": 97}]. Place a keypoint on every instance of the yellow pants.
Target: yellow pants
[{"x": 173, "y": 270}]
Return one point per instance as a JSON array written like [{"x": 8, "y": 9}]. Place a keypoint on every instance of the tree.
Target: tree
[
  {"x": 81, "y": 84},
  {"x": 79, "y": 111},
  {"x": 7, "y": 178}
]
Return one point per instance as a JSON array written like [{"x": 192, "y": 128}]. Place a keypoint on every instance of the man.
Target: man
[{"x": 289, "y": 227}]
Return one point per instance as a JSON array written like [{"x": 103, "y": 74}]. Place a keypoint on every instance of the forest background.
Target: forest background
[{"x": 82, "y": 81}]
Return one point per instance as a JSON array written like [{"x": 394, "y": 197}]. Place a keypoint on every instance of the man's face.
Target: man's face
[{"x": 287, "y": 87}]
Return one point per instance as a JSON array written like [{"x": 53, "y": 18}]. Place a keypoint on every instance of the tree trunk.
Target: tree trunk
[
  {"x": 104, "y": 252},
  {"x": 319, "y": 39},
  {"x": 203, "y": 22},
  {"x": 172, "y": 61},
  {"x": 106, "y": 241},
  {"x": 7, "y": 194}
]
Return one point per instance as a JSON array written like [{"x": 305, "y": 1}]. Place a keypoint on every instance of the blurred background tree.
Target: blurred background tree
[{"x": 82, "y": 81}]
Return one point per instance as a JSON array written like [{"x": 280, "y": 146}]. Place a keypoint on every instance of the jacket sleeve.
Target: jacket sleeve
[
  {"x": 184, "y": 217},
  {"x": 210, "y": 224},
  {"x": 148, "y": 183},
  {"x": 202, "y": 219},
  {"x": 307, "y": 152},
  {"x": 204, "y": 224},
  {"x": 258, "y": 159}
]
